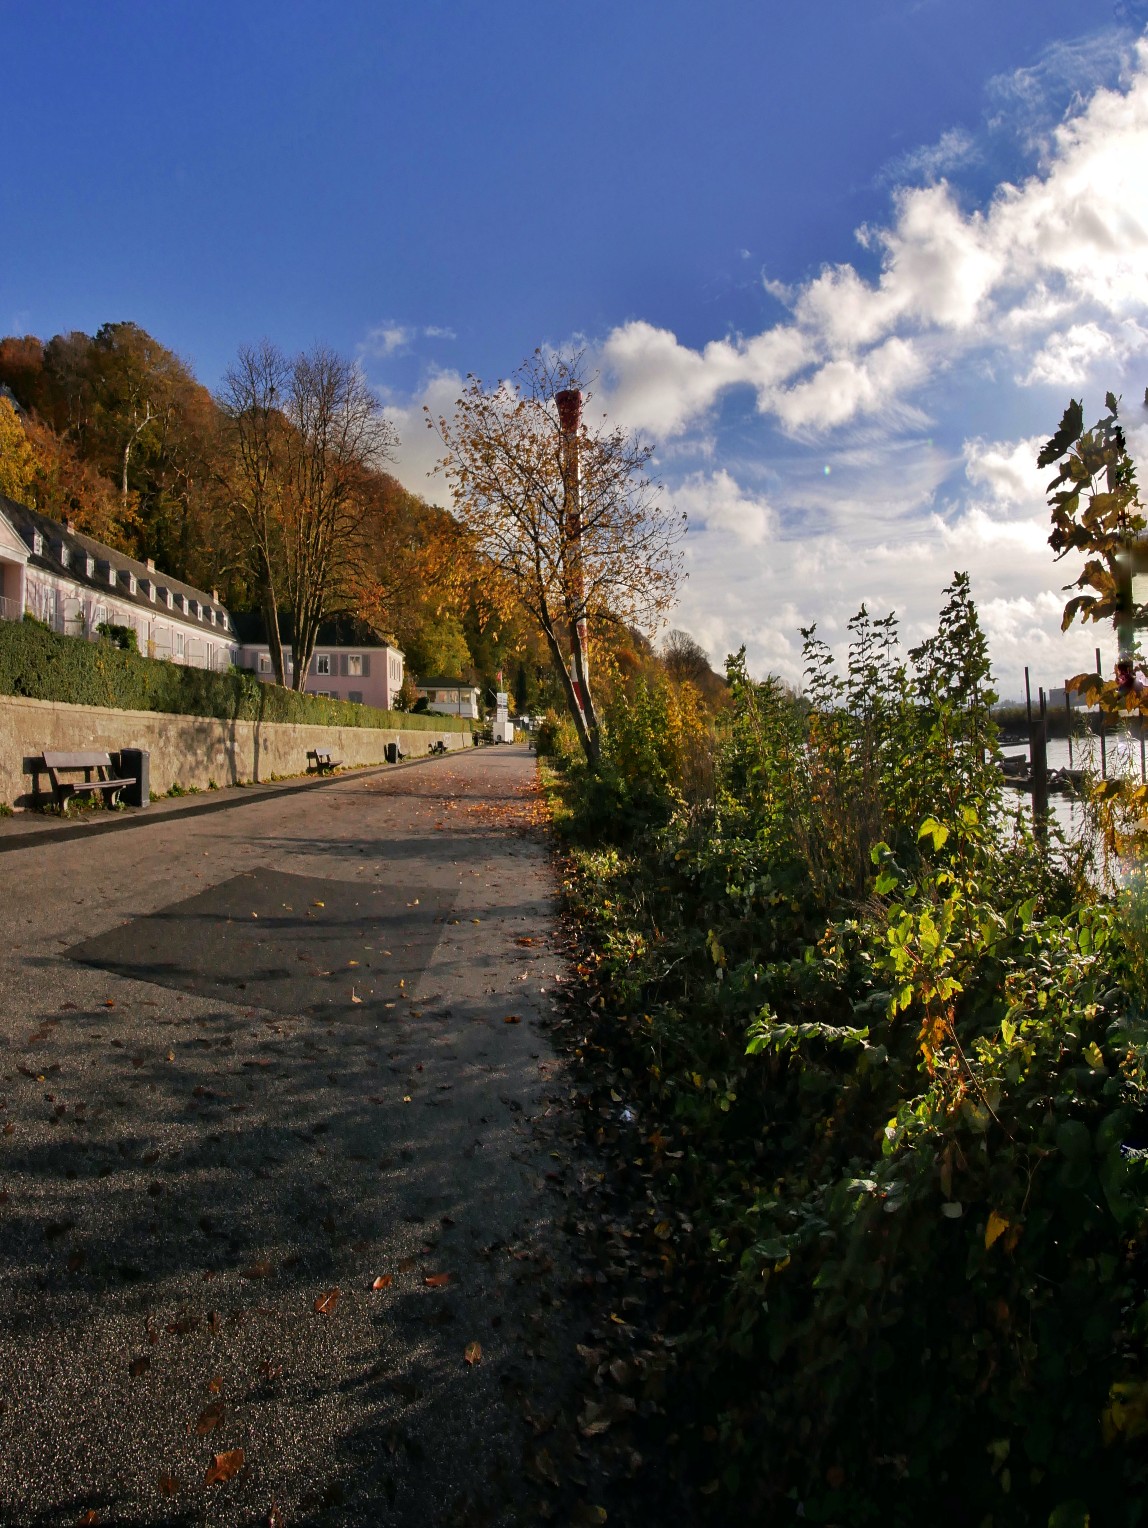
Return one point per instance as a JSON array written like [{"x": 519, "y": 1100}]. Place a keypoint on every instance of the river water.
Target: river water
[{"x": 1123, "y": 756}]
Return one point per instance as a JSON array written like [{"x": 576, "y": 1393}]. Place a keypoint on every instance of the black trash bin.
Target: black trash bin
[
  {"x": 135, "y": 764},
  {"x": 392, "y": 753}
]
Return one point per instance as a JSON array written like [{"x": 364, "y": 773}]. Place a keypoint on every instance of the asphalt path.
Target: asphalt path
[{"x": 278, "y": 1225}]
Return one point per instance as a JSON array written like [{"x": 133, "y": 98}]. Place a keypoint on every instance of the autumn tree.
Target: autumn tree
[
  {"x": 564, "y": 512},
  {"x": 335, "y": 437},
  {"x": 302, "y": 438},
  {"x": 252, "y": 477},
  {"x": 17, "y": 459}
]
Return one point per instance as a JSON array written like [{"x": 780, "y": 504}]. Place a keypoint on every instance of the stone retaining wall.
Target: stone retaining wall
[{"x": 185, "y": 750}]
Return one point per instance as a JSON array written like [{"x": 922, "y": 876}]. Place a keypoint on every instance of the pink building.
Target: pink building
[{"x": 371, "y": 675}]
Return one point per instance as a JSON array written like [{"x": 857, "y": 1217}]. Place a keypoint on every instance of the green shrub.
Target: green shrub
[
  {"x": 43, "y": 665},
  {"x": 903, "y": 1232},
  {"x": 123, "y": 637}
]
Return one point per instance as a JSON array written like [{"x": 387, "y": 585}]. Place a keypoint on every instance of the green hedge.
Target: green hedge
[{"x": 43, "y": 665}]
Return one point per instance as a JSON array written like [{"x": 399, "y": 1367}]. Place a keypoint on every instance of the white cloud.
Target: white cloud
[
  {"x": 394, "y": 338},
  {"x": 1007, "y": 471},
  {"x": 858, "y": 479},
  {"x": 955, "y": 148},
  {"x": 386, "y": 340},
  {"x": 1069, "y": 244},
  {"x": 419, "y": 448},
  {"x": 716, "y": 502}
]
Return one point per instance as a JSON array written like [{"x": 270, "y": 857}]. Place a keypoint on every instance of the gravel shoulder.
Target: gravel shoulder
[{"x": 283, "y": 1152}]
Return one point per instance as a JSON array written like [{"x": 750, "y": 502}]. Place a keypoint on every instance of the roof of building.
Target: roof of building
[
  {"x": 57, "y": 538},
  {"x": 339, "y": 632}
]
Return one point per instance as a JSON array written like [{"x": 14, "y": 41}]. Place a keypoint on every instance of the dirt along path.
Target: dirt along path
[{"x": 279, "y": 1135}]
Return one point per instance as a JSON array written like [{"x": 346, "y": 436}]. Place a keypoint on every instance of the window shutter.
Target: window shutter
[
  {"x": 343, "y": 664},
  {"x": 366, "y": 665}
]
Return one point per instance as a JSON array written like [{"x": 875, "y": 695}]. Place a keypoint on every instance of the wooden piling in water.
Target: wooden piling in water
[{"x": 1038, "y": 769}]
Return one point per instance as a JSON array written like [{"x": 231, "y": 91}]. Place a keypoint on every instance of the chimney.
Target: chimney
[
  {"x": 215, "y": 596},
  {"x": 70, "y": 527},
  {"x": 151, "y": 564}
]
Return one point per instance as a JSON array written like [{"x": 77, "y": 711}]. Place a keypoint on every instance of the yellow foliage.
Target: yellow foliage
[{"x": 17, "y": 459}]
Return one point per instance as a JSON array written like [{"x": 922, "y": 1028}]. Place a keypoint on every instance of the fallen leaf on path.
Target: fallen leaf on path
[
  {"x": 318, "y": 904},
  {"x": 257, "y": 1271},
  {"x": 224, "y": 1466},
  {"x": 90, "y": 1516},
  {"x": 585, "y": 1516},
  {"x": 512, "y": 1018},
  {"x": 355, "y": 997},
  {"x": 473, "y": 1352},
  {"x": 384, "y": 1281},
  {"x": 325, "y": 1304},
  {"x": 168, "y": 1485},
  {"x": 542, "y": 1466},
  {"x": 436, "y": 1280},
  {"x": 210, "y": 1418}
]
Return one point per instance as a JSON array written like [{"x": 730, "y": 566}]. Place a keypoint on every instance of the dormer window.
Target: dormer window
[
  {"x": 169, "y": 599},
  {"x": 223, "y": 617},
  {"x": 65, "y": 555},
  {"x": 112, "y": 575},
  {"x": 132, "y": 585},
  {"x": 148, "y": 587},
  {"x": 213, "y": 617},
  {"x": 90, "y": 566},
  {"x": 37, "y": 544}
]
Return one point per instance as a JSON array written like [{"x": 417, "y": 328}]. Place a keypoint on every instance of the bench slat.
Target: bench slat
[{"x": 77, "y": 761}]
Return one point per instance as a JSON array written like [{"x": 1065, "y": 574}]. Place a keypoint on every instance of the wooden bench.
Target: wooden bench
[
  {"x": 321, "y": 762},
  {"x": 98, "y": 780}
]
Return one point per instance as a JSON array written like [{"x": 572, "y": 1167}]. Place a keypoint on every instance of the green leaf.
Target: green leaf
[
  {"x": 1070, "y": 1514},
  {"x": 935, "y": 830}
]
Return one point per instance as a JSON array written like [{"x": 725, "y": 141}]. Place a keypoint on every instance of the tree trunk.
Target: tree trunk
[
  {"x": 589, "y": 739},
  {"x": 271, "y": 621}
]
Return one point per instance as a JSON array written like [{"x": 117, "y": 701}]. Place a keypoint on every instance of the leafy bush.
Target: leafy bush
[
  {"x": 888, "y": 1058},
  {"x": 124, "y": 637},
  {"x": 44, "y": 665}
]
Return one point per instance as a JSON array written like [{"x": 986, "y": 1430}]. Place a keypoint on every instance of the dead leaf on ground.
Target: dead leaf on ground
[
  {"x": 224, "y": 1466},
  {"x": 436, "y": 1280},
  {"x": 384, "y": 1281},
  {"x": 210, "y": 1418},
  {"x": 90, "y": 1516},
  {"x": 139, "y": 1366},
  {"x": 168, "y": 1485},
  {"x": 512, "y": 1018},
  {"x": 257, "y": 1271},
  {"x": 325, "y": 1304},
  {"x": 473, "y": 1352},
  {"x": 542, "y": 1466}
]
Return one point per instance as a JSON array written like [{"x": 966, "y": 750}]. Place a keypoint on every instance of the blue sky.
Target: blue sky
[{"x": 844, "y": 264}]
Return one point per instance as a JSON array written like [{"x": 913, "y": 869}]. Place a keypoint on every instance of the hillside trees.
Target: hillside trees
[{"x": 564, "y": 513}]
